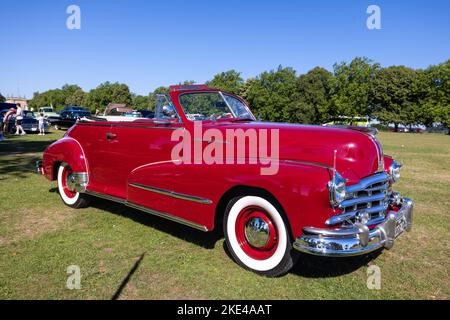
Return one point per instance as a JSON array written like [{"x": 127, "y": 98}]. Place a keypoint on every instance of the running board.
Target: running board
[{"x": 147, "y": 210}]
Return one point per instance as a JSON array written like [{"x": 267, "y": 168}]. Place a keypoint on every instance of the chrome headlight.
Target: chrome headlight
[
  {"x": 336, "y": 188},
  {"x": 394, "y": 171}
]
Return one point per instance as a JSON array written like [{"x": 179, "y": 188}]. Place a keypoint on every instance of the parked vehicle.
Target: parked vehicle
[
  {"x": 29, "y": 122},
  {"x": 330, "y": 195},
  {"x": 69, "y": 117},
  {"x": 48, "y": 112},
  {"x": 75, "y": 109},
  {"x": 147, "y": 114}
]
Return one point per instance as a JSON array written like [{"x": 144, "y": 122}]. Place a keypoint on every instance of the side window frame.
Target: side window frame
[{"x": 169, "y": 102}]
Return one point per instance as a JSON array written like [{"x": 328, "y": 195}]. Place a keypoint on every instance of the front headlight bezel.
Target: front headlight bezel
[
  {"x": 394, "y": 171},
  {"x": 337, "y": 190}
]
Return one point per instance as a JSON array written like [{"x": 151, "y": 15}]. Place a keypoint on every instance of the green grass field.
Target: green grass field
[{"x": 40, "y": 238}]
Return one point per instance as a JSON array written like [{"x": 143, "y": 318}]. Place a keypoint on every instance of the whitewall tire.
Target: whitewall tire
[
  {"x": 70, "y": 197},
  {"x": 258, "y": 237}
]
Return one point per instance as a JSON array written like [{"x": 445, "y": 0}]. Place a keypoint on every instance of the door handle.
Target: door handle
[{"x": 111, "y": 136}]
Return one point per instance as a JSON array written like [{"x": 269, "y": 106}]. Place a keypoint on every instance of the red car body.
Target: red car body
[{"x": 132, "y": 163}]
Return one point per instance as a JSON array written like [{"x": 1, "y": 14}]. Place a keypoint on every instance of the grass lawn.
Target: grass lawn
[{"x": 40, "y": 238}]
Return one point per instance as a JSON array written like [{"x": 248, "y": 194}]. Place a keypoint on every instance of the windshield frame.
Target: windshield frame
[{"x": 222, "y": 95}]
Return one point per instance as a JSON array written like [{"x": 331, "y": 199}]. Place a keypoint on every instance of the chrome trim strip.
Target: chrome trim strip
[
  {"x": 168, "y": 216},
  {"x": 156, "y": 163},
  {"x": 105, "y": 196},
  {"x": 147, "y": 210},
  {"x": 136, "y": 125},
  {"x": 309, "y": 164},
  {"x": 171, "y": 193}
]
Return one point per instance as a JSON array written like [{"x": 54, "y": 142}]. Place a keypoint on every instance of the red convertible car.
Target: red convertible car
[{"x": 206, "y": 162}]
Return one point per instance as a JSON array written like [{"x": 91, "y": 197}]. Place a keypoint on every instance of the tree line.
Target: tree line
[{"x": 396, "y": 95}]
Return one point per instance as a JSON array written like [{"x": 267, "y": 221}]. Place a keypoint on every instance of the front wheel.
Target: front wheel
[
  {"x": 257, "y": 236},
  {"x": 69, "y": 196}
]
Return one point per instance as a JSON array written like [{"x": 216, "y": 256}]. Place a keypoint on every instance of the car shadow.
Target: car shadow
[
  {"x": 206, "y": 240},
  {"x": 18, "y": 157},
  {"x": 17, "y": 166},
  {"x": 307, "y": 266},
  {"x": 310, "y": 266}
]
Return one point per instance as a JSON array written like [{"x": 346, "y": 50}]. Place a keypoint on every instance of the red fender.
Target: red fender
[{"x": 66, "y": 150}]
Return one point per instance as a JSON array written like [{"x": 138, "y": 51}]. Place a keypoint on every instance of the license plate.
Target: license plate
[
  {"x": 400, "y": 226},
  {"x": 33, "y": 129}
]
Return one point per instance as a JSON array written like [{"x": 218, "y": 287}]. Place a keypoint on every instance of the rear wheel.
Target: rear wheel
[
  {"x": 69, "y": 196},
  {"x": 257, "y": 236}
]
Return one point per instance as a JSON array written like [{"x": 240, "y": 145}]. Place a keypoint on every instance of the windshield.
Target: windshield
[
  {"x": 199, "y": 106},
  {"x": 28, "y": 114}
]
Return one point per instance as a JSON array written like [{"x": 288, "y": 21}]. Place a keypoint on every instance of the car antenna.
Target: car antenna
[{"x": 334, "y": 160}]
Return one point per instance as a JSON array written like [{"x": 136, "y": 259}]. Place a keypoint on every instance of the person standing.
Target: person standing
[
  {"x": 41, "y": 121},
  {"x": 19, "y": 118}
]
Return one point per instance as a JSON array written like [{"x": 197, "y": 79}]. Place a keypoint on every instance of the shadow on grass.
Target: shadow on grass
[
  {"x": 14, "y": 144},
  {"x": 307, "y": 266},
  {"x": 206, "y": 240},
  {"x": 310, "y": 266},
  {"x": 127, "y": 278},
  {"x": 18, "y": 157},
  {"x": 17, "y": 166}
]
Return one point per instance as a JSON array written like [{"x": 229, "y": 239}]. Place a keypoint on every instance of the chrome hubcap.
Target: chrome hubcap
[{"x": 257, "y": 232}]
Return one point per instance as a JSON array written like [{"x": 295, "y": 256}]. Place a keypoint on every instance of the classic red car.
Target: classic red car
[{"x": 206, "y": 162}]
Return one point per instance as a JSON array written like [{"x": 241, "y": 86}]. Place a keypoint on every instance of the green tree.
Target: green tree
[
  {"x": 438, "y": 98},
  {"x": 271, "y": 93},
  {"x": 350, "y": 88},
  {"x": 2, "y": 98},
  {"x": 140, "y": 102},
  {"x": 74, "y": 95},
  {"x": 55, "y": 98},
  {"x": 311, "y": 99},
  {"x": 230, "y": 81},
  {"x": 107, "y": 93},
  {"x": 395, "y": 95}
]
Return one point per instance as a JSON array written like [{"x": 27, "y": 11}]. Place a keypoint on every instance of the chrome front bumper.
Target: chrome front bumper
[{"x": 357, "y": 240}]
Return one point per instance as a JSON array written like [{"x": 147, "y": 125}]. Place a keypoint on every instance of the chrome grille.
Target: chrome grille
[{"x": 369, "y": 196}]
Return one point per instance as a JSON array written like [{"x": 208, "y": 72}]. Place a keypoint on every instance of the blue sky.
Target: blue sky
[{"x": 147, "y": 44}]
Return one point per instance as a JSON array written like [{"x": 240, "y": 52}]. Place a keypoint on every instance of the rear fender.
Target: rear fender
[{"x": 66, "y": 150}]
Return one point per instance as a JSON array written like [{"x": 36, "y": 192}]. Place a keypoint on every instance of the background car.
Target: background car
[
  {"x": 29, "y": 122},
  {"x": 69, "y": 117},
  {"x": 147, "y": 114},
  {"x": 48, "y": 112}
]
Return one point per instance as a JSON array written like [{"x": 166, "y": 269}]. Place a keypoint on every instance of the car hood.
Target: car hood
[{"x": 358, "y": 153}]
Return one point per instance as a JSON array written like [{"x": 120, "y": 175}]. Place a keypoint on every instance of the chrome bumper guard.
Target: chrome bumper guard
[
  {"x": 358, "y": 239},
  {"x": 39, "y": 168}
]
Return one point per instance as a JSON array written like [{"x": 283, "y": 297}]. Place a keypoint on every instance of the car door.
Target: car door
[{"x": 138, "y": 143}]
